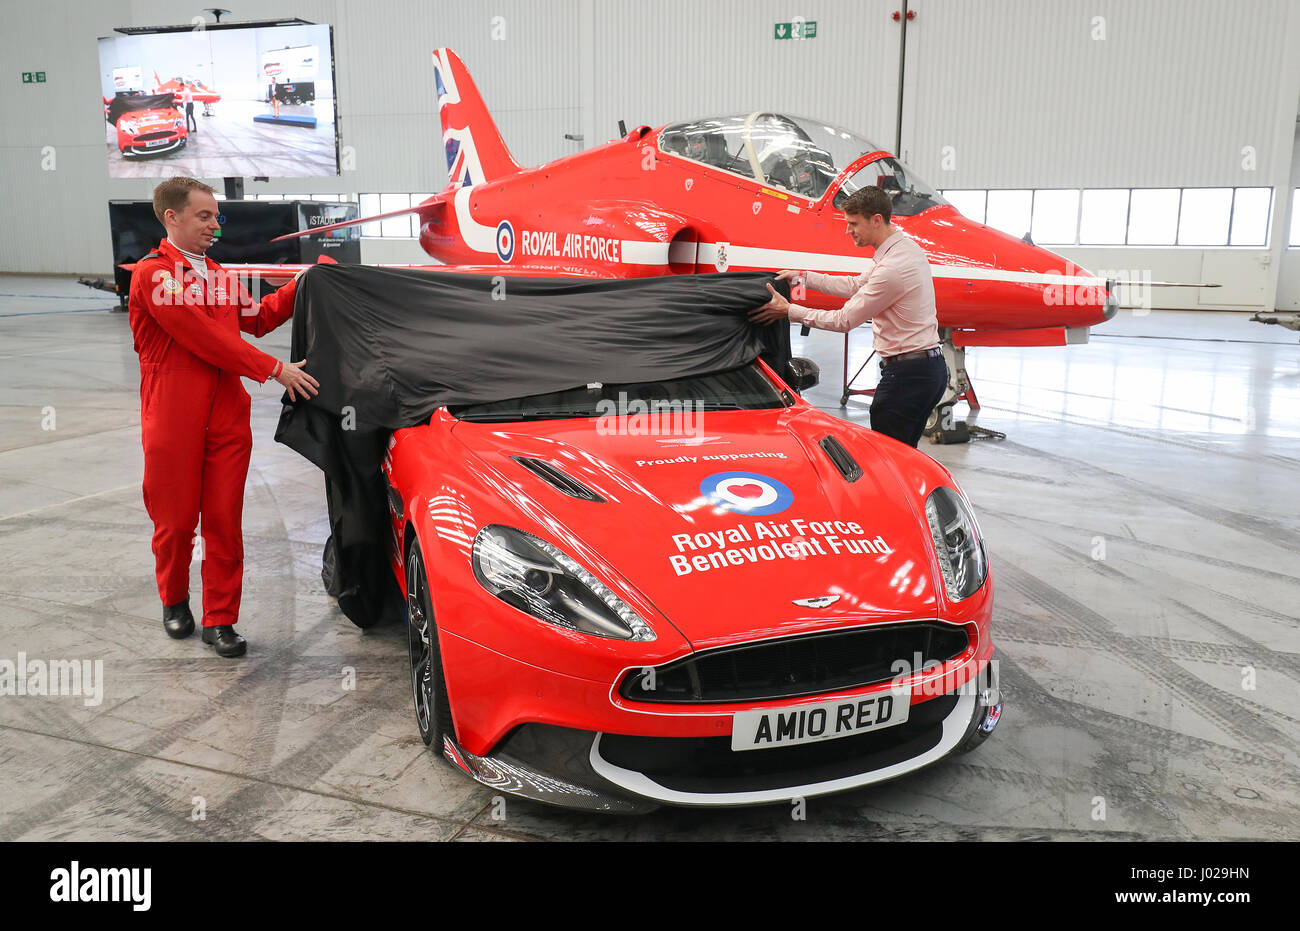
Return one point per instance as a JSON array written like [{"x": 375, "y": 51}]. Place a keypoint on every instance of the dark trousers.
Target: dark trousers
[
  {"x": 189, "y": 117},
  {"x": 906, "y": 393}
]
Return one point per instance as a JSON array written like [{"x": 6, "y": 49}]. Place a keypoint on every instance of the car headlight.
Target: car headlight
[
  {"x": 540, "y": 579},
  {"x": 956, "y": 542}
]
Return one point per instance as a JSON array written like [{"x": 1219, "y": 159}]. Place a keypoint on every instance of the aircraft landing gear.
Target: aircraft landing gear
[{"x": 943, "y": 425}]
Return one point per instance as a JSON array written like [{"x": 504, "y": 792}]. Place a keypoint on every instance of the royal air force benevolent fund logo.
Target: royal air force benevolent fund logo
[
  {"x": 505, "y": 241},
  {"x": 746, "y": 493}
]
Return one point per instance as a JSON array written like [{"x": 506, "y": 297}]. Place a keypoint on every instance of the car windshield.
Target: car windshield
[
  {"x": 740, "y": 389},
  {"x": 797, "y": 154}
]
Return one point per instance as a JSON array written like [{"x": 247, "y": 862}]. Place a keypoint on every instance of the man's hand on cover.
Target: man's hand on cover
[
  {"x": 778, "y": 308},
  {"x": 295, "y": 379}
]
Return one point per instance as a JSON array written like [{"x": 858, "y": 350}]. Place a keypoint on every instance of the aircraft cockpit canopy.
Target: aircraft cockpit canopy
[{"x": 796, "y": 154}]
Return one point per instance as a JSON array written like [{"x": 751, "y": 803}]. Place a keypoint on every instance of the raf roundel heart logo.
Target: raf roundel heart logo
[
  {"x": 690, "y": 183},
  {"x": 746, "y": 493},
  {"x": 757, "y": 207}
]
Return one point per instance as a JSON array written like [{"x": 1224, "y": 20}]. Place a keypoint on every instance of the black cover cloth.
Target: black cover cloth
[
  {"x": 392, "y": 346},
  {"x": 128, "y": 103}
]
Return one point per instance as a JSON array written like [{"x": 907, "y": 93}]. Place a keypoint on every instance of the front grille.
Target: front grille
[
  {"x": 806, "y": 665},
  {"x": 147, "y": 137},
  {"x": 708, "y": 764}
]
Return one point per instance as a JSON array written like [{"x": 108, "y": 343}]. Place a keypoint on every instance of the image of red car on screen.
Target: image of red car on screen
[{"x": 146, "y": 124}]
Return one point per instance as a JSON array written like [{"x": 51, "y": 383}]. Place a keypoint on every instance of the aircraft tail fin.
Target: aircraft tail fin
[{"x": 473, "y": 144}]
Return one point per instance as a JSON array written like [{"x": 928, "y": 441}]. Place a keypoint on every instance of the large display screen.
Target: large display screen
[{"x": 220, "y": 103}]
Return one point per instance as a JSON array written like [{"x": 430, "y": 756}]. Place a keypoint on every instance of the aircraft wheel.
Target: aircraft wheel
[{"x": 942, "y": 426}]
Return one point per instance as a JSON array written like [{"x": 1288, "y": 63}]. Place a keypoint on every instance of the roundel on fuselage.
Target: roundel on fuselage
[{"x": 505, "y": 241}]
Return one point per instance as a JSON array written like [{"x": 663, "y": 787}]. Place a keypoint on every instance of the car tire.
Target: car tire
[{"x": 428, "y": 685}]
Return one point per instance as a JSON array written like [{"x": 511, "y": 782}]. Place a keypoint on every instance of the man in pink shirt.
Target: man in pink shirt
[{"x": 897, "y": 296}]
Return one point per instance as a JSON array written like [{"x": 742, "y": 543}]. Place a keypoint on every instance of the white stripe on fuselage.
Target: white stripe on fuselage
[
  {"x": 482, "y": 239},
  {"x": 755, "y": 257},
  {"x": 478, "y": 237}
]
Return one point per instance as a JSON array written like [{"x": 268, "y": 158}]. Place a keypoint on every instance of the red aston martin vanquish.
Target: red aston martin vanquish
[{"x": 698, "y": 592}]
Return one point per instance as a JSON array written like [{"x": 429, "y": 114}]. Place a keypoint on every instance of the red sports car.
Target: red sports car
[
  {"x": 146, "y": 124},
  {"x": 698, "y": 592}
]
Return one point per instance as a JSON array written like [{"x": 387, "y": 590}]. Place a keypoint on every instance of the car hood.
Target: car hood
[
  {"x": 149, "y": 117},
  {"x": 727, "y": 526}
]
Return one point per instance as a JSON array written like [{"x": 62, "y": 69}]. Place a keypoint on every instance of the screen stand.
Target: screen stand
[{"x": 234, "y": 189}]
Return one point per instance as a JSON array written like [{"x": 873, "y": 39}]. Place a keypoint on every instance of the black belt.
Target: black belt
[{"x": 904, "y": 356}]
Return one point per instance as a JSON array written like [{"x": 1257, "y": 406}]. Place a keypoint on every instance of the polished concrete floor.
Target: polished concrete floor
[{"x": 1143, "y": 522}]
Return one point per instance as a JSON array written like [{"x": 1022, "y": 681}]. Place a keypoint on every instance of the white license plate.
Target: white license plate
[
  {"x": 785, "y": 727},
  {"x": 153, "y": 142}
]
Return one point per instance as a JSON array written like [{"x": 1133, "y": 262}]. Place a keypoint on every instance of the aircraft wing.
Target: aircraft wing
[{"x": 427, "y": 210}]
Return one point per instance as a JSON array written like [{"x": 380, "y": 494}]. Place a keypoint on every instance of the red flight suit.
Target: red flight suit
[{"x": 194, "y": 417}]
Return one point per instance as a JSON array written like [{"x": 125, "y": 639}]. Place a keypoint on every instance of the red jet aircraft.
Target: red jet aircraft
[
  {"x": 202, "y": 94},
  {"x": 759, "y": 190}
]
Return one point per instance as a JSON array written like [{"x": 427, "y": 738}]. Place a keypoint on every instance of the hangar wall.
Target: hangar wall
[{"x": 1005, "y": 93}]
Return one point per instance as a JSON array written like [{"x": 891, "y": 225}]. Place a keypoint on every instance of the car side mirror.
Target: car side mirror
[{"x": 802, "y": 374}]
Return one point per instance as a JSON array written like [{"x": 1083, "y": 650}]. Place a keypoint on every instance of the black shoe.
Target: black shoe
[
  {"x": 178, "y": 621},
  {"x": 224, "y": 638}
]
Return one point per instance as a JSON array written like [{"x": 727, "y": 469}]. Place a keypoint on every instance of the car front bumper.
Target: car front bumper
[{"x": 596, "y": 771}]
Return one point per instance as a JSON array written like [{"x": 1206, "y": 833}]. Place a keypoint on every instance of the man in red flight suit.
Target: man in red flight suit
[{"x": 186, "y": 316}]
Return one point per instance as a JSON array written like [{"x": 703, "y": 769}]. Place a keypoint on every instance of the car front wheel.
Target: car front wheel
[{"x": 428, "y": 687}]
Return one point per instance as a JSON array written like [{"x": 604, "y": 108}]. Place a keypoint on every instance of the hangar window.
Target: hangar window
[
  {"x": 1204, "y": 217},
  {"x": 1120, "y": 216},
  {"x": 1153, "y": 217},
  {"x": 1103, "y": 217},
  {"x": 1251, "y": 207},
  {"x": 1055, "y": 216},
  {"x": 393, "y": 227},
  {"x": 970, "y": 204},
  {"x": 1010, "y": 211}
]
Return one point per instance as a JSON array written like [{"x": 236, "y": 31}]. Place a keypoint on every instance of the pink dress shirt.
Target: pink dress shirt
[{"x": 896, "y": 295}]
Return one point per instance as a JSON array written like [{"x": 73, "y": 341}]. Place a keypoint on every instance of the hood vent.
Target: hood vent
[
  {"x": 847, "y": 465},
  {"x": 562, "y": 483}
]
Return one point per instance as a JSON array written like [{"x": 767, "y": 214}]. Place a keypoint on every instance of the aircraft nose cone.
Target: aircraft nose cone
[{"x": 1111, "y": 307}]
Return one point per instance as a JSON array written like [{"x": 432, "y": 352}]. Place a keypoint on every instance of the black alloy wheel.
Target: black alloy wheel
[{"x": 428, "y": 687}]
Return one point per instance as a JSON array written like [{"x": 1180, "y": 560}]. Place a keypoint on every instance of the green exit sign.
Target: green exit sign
[
  {"x": 796, "y": 30},
  {"x": 33, "y": 77}
]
